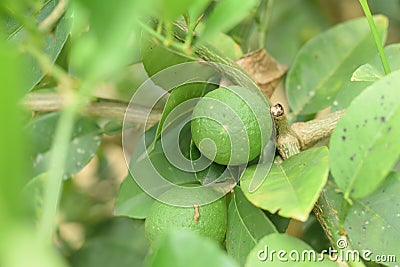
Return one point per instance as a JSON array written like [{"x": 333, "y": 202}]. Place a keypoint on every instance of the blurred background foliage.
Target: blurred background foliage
[{"x": 98, "y": 44}]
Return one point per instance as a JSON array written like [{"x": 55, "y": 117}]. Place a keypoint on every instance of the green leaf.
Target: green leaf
[
  {"x": 373, "y": 222},
  {"x": 161, "y": 163},
  {"x": 183, "y": 248},
  {"x": 209, "y": 174},
  {"x": 157, "y": 57},
  {"x": 226, "y": 45},
  {"x": 296, "y": 253},
  {"x": 283, "y": 40},
  {"x": 364, "y": 146},
  {"x": 85, "y": 141},
  {"x": 51, "y": 46},
  {"x": 179, "y": 96},
  {"x": 159, "y": 62},
  {"x": 120, "y": 242},
  {"x": 196, "y": 9},
  {"x": 347, "y": 94},
  {"x": 225, "y": 15},
  {"x": 292, "y": 188},
  {"x": 246, "y": 226},
  {"x": 326, "y": 63},
  {"x": 373, "y": 70},
  {"x": 172, "y": 9},
  {"x": 33, "y": 193},
  {"x": 131, "y": 200},
  {"x": 365, "y": 75},
  {"x": 105, "y": 37}
]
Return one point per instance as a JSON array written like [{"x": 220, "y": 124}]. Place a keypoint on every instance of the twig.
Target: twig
[
  {"x": 49, "y": 22},
  {"x": 313, "y": 131},
  {"x": 301, "y": 135},
  {"x": 51, "y": 102}
]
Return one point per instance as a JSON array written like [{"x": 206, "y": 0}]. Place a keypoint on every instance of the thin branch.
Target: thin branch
[
  {"x": 313, "y": 131},
  {"x": 301, "y": 135},
  {"x": 50, "y": 21},
  {"x": 51, "y": 102}
]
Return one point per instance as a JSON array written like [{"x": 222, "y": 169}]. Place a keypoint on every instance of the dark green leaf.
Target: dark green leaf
[
  {"x": 364, "y": 146},
  {"x": 209, "y": 174},
  {"x": 246, "y": 226},
  {"x": 373, "y": 222},
  {"x": 52, "y": 44},
  {"x": 120, "y": 242},
  {"x": 292, "y": 188},
  {"x": 183, "y": 248},
  {"x": 85, "y": 141},
  {"x": 326, "y": 63},
  {"x": 297, "y": 253}
]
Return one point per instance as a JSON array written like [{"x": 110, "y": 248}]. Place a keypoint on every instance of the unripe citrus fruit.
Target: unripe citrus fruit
[
  {"x": 231, "y": 125},
  {"x": 208, "y": 220}
]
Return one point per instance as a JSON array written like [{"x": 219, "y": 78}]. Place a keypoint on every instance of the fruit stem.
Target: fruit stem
[
  {"x": 375, "y": 34},
  {"x": 287, "y": 141}
]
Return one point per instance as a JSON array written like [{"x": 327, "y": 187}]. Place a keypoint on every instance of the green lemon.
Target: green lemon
[
  {"x": 231, "y": 125},
  {"x": 208, "y": 220}
]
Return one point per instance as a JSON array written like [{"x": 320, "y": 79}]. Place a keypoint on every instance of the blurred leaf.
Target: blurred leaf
[
  {"x": 131, "y": 200},
  {"x": 261, "y": 254},
  {"x": 105, "y": 36},
  {"x": 225, "y": 15},
  {"x": 19, "y": 245},
  {"x": 85, "y": 141},
  {"x": 284, "y": 40},
  {"x": 120, "y": 242},
  {"x": 246, "y": 226},
  {"x": 196, "y": 9},
  {"x": 51, "y": 46},
  {"x": 292, "y": 188},
  {"x": 325, "y": 64},
  {"x": 171, "y": 9},
  {"x": 365, "y": 75},
  {"x": 364, "y": 146},
  {"x": 314, "y": 235},
  {"x": 33, "y": 195},
  {"x": 183, "y": 248},
  {"x": 347, "y": 94},
  {"x": 373, "y": 70},
  {"x": 373, "y": 222}
]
